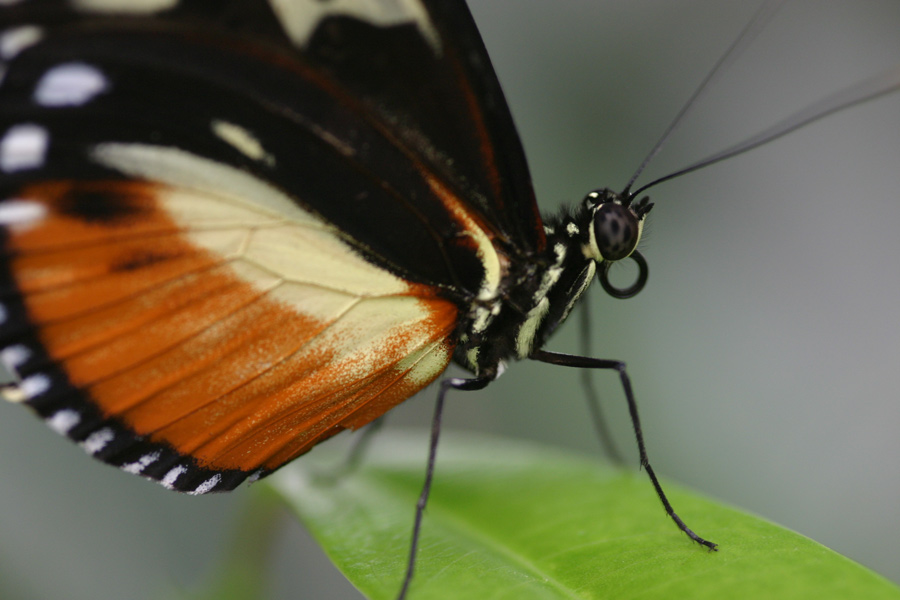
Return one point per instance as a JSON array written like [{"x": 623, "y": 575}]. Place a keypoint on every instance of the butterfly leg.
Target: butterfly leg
[
  {"x": 455, "y": 383},
  {"x": 585, "y": 362},
  {"x": 590, "y": 392}
]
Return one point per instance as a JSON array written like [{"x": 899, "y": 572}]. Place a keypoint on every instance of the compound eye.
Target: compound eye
[{"x": 616, "y": 231}]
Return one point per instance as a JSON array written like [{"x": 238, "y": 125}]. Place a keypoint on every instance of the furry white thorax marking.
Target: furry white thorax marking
[{"x": 529, "y": 328}]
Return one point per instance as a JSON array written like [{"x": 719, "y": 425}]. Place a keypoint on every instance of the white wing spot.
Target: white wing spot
[
  {"x": 28, "y": 388},
  {"x": 207, "y": 486},
  {"x": 23, "y": 147},
  {"x": 144, "y": 462},
  {"x": 244, "y": 141},
  {"x": 34, "y": 385},
  {"x": 70, "y": 84},
  {"x": 174, "y": 473},
  {"x": 98, "y": 440},
  {"x": 300, "y": 19},
  {"x": 13, "y": 41},
  {"x": 13, "y": 357},
  {"x": 21, "y": 214},
  {"x": 254, "y": 476},
  {"x": 572, "y": 229},
  {"x": 62, "y": 421}
]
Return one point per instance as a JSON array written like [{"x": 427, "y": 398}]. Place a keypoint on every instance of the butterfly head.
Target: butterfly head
[{"x": 616, "y": 224}]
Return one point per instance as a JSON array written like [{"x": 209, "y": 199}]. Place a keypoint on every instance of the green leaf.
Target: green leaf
[{"x": 521, "y": 521}]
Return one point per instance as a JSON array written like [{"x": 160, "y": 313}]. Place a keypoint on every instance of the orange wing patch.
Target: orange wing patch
[{"x": 231, "y": 334}]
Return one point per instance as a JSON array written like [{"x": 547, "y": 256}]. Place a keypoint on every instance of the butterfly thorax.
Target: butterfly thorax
[{"x": 539, "y": 291}]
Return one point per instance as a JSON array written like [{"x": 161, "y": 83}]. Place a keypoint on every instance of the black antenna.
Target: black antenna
[
  {"x": 749, "y": 33},
  {"x": 858, "y": 93}
]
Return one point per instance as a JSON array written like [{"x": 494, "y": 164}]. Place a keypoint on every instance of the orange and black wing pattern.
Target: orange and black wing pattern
[
  {"x": 170, "y": 334},
  {"x": 232, "y": 230}
]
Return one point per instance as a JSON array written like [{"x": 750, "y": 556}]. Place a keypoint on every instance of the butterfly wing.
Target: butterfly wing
[{"x": 232, "y": 230}]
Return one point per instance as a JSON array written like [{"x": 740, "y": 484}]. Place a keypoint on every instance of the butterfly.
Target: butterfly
[
  {"x": 412, "y": 249},
  {"x": 232, "y": 231}
]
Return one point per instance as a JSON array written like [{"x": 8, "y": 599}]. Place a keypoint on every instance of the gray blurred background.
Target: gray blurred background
[{"x": 765, "y": 350}]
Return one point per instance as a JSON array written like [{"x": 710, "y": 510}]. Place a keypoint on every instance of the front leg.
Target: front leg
[{"x": 586, "y": 362}]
